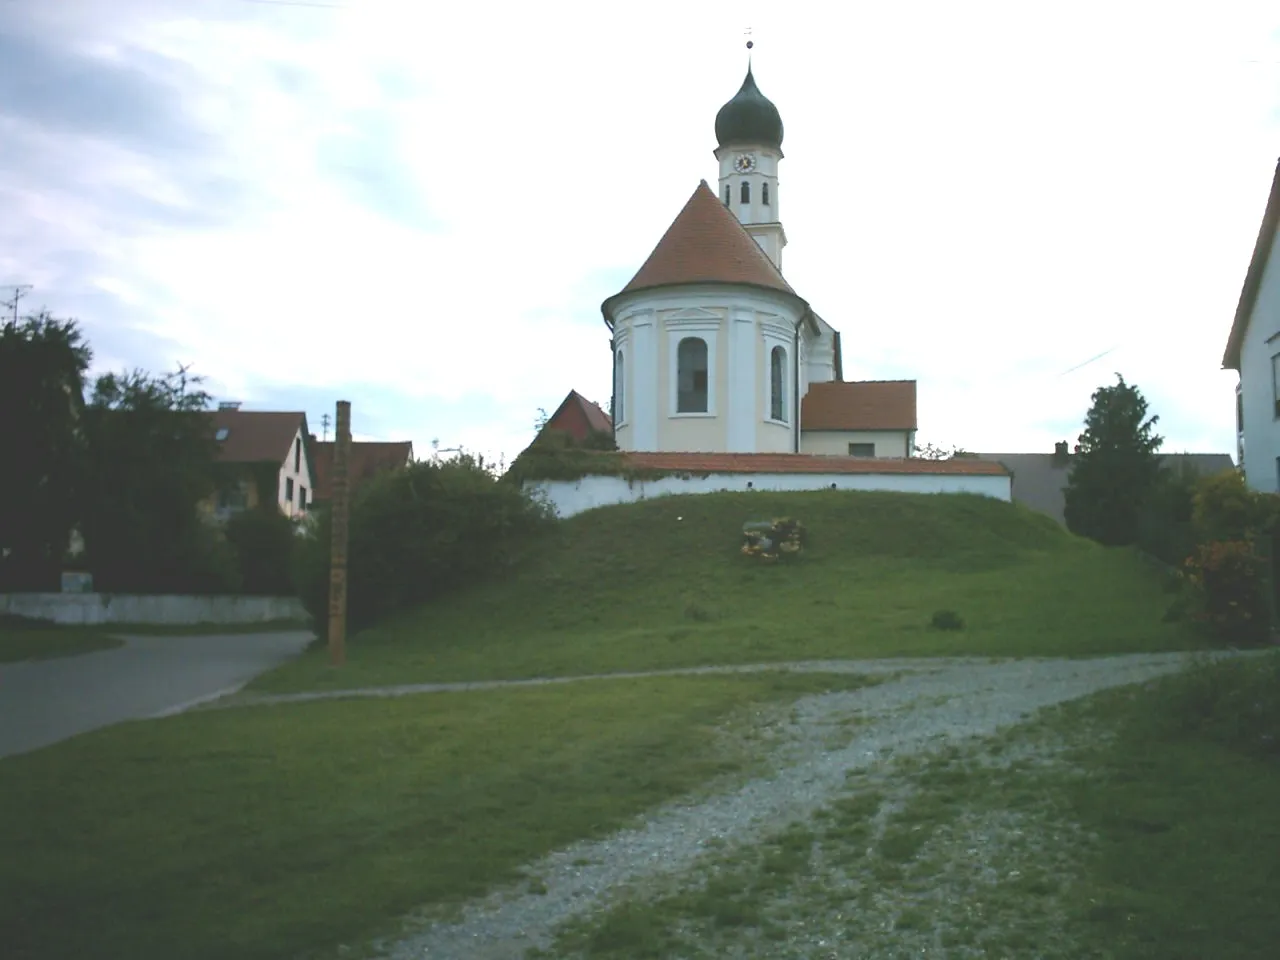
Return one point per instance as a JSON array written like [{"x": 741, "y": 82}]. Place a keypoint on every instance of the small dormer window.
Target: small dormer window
[
  {"x": 746, "y": 192},
  {"x": 764, "y": 194},
  {"x": 221, "y": 434}
]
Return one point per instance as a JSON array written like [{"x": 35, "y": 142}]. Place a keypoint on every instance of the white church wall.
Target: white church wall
[
  {"x": 651, "y": 323},
  {"x": 835, "y": 443},
  {"x": 571, "y": 497}
]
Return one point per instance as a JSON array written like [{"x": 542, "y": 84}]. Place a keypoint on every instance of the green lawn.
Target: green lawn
[
  {"x": 47, "y": 642},
  {"x": 284, "y": 831},
  {"x": 661, "y": 584},
  {"x": 1184, "y": 802}
]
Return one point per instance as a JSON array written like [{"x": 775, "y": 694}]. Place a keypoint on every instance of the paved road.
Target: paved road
[{"x": 45, "y": 701}]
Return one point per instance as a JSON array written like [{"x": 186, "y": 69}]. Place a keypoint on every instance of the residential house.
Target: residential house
[
  {"x": 262, "y": 456},
  {"x": 365, "y": 461},
  {"x": 578, "y": 418},
  {"x": 1040, "y": 479},
  {"x": 1253, "y": 351}
]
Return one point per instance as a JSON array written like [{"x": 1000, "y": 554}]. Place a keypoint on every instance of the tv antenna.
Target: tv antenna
[{"x": 20, "y": 290}]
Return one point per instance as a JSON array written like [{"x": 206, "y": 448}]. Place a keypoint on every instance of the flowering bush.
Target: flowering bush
[
  {"x": 769, "y": 540},
  {"x": 1227, "y": 579}
]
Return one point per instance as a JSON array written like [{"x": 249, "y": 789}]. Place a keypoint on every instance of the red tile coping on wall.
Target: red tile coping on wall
[{"x": 809, "y": 463}]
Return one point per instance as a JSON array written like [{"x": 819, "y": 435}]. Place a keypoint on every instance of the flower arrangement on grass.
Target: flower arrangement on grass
[{"x": 771, "y": 539}]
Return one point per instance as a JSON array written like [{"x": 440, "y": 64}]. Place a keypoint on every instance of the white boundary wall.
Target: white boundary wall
[
  {"x": 95, "y": 608},
  {"x": 570, "y": 497}
]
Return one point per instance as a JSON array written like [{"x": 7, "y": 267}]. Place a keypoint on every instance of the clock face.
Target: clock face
[{"x": 744, "y": 163}]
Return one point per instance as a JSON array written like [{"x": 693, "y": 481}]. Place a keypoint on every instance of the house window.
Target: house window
[
  {"x": 777, "y": 363},
  {"x": 1275, "y": 382},
  {"x": 297, "y": 454},
  {"x": 1239, "y": 411},
  {"x": 862, "y": 449},
  {"x": 288, "y": 488},
  {"x": 727, "y": 192},
  {"x": 691, "y": 376},
  {"x": 746, "y": 192},
  {"x": 302, "y": 496},
  {"x": 221, "y": 434},
  {"x": 764, "y": 194},
  {"x": 619, "y": 389}
]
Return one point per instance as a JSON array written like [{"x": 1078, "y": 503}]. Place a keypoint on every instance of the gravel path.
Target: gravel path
[{"x": 931, "y": 703}]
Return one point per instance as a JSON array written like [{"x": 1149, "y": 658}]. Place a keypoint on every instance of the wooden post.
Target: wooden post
[{"x": 339, "y": 506}]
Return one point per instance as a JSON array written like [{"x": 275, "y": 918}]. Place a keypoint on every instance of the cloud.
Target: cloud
[{"x": 419, "y": 208}]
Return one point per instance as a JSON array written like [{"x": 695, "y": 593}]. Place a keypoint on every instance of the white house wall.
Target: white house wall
[
  {"x": 301, "y": 478},
  {"x": 1261, "y": 426},
  {"x": 570, "y": 497},
  {"x": 835, "y": 443}
]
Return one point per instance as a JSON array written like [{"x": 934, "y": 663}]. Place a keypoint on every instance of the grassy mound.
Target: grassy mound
[{"x": 661, "y": 583}]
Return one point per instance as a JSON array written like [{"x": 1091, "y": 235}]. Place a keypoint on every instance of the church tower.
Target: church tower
[{"x": 749, "y": 146}]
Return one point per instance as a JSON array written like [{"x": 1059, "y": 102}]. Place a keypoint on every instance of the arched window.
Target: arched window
[
  {"x": 777, "y": 404},
  {"x": 746, "y": 192},
  {"x": 727, "y": 192},
  {"x": 764, "y": 194},
  {"x": 619, "y": 390},
  {"x": 691, "y": 376}
]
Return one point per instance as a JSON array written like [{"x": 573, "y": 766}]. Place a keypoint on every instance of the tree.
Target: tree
[
  {"x": 931, "y": 452},
  {"x": 42, "y": 367},
  {"x": 150, "y": 461},
  {"x": 1116, "y": 466}
]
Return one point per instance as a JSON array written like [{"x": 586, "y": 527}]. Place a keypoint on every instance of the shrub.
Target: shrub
[
  {"x": 1225, "y": 509},
  {"x": 264, "y": 541},
  {"x": 1227, "y": 579},
  {"x": 417, "y": 533},
  {"x": 946, "y": 620}
]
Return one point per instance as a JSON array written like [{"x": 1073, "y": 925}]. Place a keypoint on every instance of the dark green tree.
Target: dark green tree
[
  {"x": 150, "y": 456},
  {"x": 42, "y": 368},
  {"x": 1116, "y": 467}
]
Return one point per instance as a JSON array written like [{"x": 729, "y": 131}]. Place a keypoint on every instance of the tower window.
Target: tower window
[
  {"x": 777, "y": 404},
  {"x": 764, "y": 194},
  {"x": 619, "y": 391},
  {"x": 746, "y": 192},
  {"x": 691, "y": 374},
  {"x": 727, "y": 192}
]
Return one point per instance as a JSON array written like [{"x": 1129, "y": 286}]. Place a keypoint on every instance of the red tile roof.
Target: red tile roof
[
  {"x": 706, "y": 244},
  {"x": 254, "y": 436},
  {"x": 859, "y": 405},
  {"x": 367, "y": 460},
  {"x": 806, "y": 463},
  {"x": 576, "y": 415}
]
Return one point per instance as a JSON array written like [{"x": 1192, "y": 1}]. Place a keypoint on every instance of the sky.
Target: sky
[{"x": 419, "y": 207}]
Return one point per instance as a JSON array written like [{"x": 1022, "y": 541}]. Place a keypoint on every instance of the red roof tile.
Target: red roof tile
[
  {"x": 367, "y": 460},
  {"x": 706, "y": 244},
  {"x": 255, "y": 436},
  {"x": 806, "y": 463},
  {"x": 859, "y": 405}
]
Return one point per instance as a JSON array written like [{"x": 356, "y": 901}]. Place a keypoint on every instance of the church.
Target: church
[
  {"x": 725, "y": 375},
  {"x": 714, "y": 351}
]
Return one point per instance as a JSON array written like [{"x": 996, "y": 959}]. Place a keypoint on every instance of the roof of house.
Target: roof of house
[
  {"x": 596, "y": 418},
  {"x": 706, "y": 244},
  {"x": 1040, "y": 479},
  {"x": 1253, "y": 278},
  {"x": 366, "y": 459},
  {"x": 804, "y": 463},
  {"x": 859, "y": 405},
  {"x": 256, "y": 436}
]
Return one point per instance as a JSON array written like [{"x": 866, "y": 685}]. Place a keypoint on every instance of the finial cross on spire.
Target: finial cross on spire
[{"x": 750, "y": 42}]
